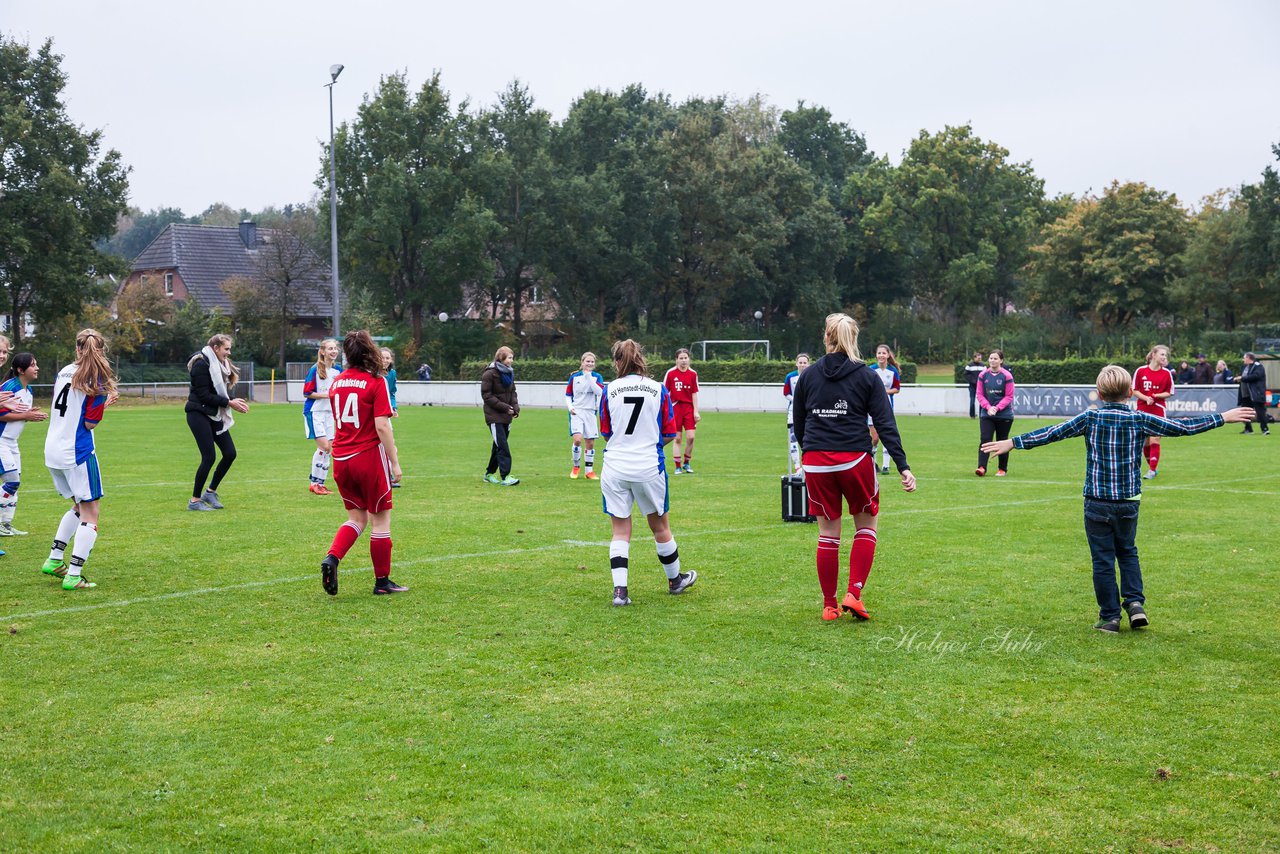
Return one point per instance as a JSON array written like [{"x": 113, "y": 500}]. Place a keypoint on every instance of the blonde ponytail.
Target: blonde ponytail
[
  {"x": 93, "y": 372},
  {"x": 842, "y": 334}
]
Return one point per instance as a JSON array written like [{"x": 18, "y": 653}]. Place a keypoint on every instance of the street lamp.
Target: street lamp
[
  {"x": 334, "y": 71},
  {"x": 759, "y": 316}
]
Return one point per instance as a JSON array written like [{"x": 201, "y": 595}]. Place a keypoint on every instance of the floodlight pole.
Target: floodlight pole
[{"x": 334, "y": 71}]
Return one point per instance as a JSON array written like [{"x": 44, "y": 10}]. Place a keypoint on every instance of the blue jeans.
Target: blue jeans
[{"x": 1111, "y": 527}]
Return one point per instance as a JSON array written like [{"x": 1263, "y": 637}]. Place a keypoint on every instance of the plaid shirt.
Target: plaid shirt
[{"x": 1113, "y": 435}]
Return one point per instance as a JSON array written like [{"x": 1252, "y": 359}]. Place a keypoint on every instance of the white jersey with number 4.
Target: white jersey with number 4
[
  {"x": 635, "y": 418},
  {"x": 69, "y": 441}
]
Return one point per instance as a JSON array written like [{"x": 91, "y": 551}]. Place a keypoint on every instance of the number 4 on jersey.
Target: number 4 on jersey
[
  {"x": 61, "y": 403},
  {"x": 350, "y": 414}
]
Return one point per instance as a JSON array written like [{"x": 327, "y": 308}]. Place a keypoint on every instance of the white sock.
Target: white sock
[
  {"x": 319, "y": 466},
  {"x": 66, "y": 530},
  {"x": 795, "y": 455},
  {"x": 86, "y": 536},
  {"x": 577, "y": 455},
  {"x": 884, "y": 457},
  {"x": 669, "y": 557},
  {"x": 591, "y": 457},
  {"x": 8, "y": 504},
  {"x": 619, "y": 557}
]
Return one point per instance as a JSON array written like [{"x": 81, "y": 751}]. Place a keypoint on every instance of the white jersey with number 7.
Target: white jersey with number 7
[{"x": 635, "y": 417}]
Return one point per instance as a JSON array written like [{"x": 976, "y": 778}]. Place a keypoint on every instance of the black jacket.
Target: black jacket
[
  {"x": 1253, "y": 383},
  {"x": 832, "y": 400},
  {"x": 1203, "y": 374},
  {"x": 498, "y": 398},
  {"x": 203, "y": 397}
]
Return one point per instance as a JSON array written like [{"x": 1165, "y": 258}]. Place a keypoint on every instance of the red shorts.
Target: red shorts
[
  {"x": 364, "y": 481},
  {"x": 684, "y": 417},
  {"x": 834, "y": 475}
]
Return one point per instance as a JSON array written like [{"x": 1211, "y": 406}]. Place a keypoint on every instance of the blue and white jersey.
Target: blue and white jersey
[
  {"x": 788, "y": 391},
  {"x": 890, "y": 377},
  {"x": 635, "y": 418},
  {"x": 315, "y": 384},
  {"x": 584, "y": 392},
  {"x": 69, "y": 441},
  {"x": 11, "y": 430}
]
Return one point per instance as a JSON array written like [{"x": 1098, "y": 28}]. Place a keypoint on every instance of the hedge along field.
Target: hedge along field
[
  {"x": 710, "y": 371},
  {"x": 209, "y": 695},
  {"x": 1082, "y": 371}
]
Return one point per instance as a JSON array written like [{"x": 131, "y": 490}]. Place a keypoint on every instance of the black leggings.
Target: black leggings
[
  {"x": 202, "y": 427},
  {"x": 997, "y": 428},
  {"x": 500, "y": 456}
]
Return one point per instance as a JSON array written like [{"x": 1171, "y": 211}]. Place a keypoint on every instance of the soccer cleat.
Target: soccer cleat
[
  {"x": 385, "y": 586},
  {"x": 1137, "y": 615},
  {"x": 853, "y": 605},
  {"x": 573, "y": 473},
  {"x": 884, "y": 469},
  {"x": 1001, "y": 473},
  {"x": 395, "y": 484},
  {"x": 681, "y": 582},
  {"x": 329, "y": 575},
  {"x": 830, "y": 612},
  {"x": 7, "y": 530},
  {"x": 77, "y": 582},
  {"x": 980, "y": 471},
  {"x": 591, "y": 475},
  {"x": 1151, "y": 475},
  {"x": 199, "y": 506},
  {"x": 1110, "y": 627},
  {"x": 319, "y": 489},
  {"x": 687, "y": 470},
  {"x": 620, "y": 597},
  {"x": 508, "y": 481},
  {"x": 56, "y": 567},
  {"x": 678, "y": 470},
  {"x": 492, "y": 477},
  {"x": 211, "y": 498}
]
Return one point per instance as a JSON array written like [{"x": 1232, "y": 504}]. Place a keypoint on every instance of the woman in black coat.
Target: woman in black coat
[{"x": 213, "y": 378}]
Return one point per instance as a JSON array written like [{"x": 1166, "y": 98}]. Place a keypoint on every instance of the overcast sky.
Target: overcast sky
[{"x": 224, "y": 102}]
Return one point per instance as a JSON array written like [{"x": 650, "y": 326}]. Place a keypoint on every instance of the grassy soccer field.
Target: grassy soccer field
[{"x": 208, "y": 694}]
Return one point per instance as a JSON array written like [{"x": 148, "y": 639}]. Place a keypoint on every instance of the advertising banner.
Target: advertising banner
[{"x": 1065, "y": 401}]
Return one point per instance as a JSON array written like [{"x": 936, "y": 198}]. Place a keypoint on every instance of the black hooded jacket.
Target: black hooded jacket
[{"x": 832, "y": 400}]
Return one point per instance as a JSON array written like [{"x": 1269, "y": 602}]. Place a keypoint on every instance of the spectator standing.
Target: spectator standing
[
  {"x": 1203, "y": 374},
  {"x": 971, "y": 372},
  {"x": 1186, "y": 374},
  {"x": 995, "y": 397},
  {"x": 1223, "y": 375},
  {"x": 1253, "y": 392},
  {"x": 501, "y": 407}
]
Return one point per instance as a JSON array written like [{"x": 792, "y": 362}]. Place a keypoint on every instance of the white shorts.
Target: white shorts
[
  {"x": 586, "y": 423},
  {"x": 11, "y": 462},
  {"x": 649, "y": 495},
  {"x": 82, "y": 483},
  {"x": 319, "y": 424}
]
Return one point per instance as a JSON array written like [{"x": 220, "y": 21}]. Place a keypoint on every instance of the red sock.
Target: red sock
[
  {"x": 860, "y": 558},
  {"x": 380, "y": 552},
  {"x": 344, "y": 539},
  {"x": 1154, "y": 456},
  {"x": 828, "y": 568}
]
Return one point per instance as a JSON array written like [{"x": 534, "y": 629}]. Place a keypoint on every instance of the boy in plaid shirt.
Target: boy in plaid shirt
[{"x": 1114, "y": 435}]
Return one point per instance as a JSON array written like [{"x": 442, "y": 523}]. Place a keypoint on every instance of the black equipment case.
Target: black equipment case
[{"x": 795, "y": 499}]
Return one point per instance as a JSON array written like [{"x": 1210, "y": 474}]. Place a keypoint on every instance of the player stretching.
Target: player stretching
[
  {"x": 636, "y": 421},
  {"x": 80, "y": 397},
  {"x": 788, "y": 388},
  {"x": 317, "y": 413},
  {"x": 682, "y": 385},
  {"x": 1153, "y": 385},
  {"x": 365, "y": 462},
  {"x": 582, "y": 396},
  {"x": 13, "y": 416}
]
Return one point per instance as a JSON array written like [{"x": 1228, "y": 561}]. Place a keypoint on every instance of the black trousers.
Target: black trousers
[
  {"x": 202, "y": 427},
  {"x": 500, "y": 456},
  {"x": 997, "y": 428},
  {"x": 1259, "y": 414},
  {"x": 973, "y": 401}
]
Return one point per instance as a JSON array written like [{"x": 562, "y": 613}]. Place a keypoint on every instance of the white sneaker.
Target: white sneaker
[
  {"x": 7, "y": 530},
  {"x": 1151, "y": 475}
]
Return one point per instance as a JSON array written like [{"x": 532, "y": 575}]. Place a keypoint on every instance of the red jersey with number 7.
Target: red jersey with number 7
[{"x": 357, "y": 398}]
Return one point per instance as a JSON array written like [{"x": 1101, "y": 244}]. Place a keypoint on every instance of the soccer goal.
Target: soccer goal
[{"x": 738, "y": 347}]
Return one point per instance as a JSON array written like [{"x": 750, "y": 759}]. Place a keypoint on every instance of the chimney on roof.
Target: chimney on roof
[{"x": 249, "y": 234}]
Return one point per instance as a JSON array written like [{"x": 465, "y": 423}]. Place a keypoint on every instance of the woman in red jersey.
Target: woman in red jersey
[
  {"x": 833, "y": 400},
  {"x": 1152, "y": 386},
  {"x": 682, "y": 385},
  {"x": 365, "y": 462}
]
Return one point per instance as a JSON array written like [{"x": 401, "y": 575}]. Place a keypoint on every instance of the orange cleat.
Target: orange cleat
[
  {"x": 319, "y": 489},
  {"x": 854, "y": 606},
  {"x": 591, "y": 475},
  {"x": 1001, "y": 473},
  {"x": 829, "y": 613},
  {"x": 980, "y": 471},
  {"x": 573, "y": 473}
]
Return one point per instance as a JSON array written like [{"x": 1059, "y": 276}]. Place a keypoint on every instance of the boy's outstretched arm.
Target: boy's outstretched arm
[{"x": 1054, "y": 433}]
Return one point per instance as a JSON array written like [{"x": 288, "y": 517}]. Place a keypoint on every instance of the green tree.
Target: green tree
[
  {"x": 962, "y": 214},
  {"x": 1261, "y": 244},
  {"x": 1216, "y": 276},
  {"x": 1111, "y": 258},
  {"x": 135, "y": 230},
  {"x": 412, "y": 231},
  {"x": 59, "y": 193}
]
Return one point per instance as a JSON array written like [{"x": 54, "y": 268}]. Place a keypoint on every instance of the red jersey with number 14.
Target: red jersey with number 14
[
  {"x": 1151, "y": 381},
  {"x": 357, "y": 398}
]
